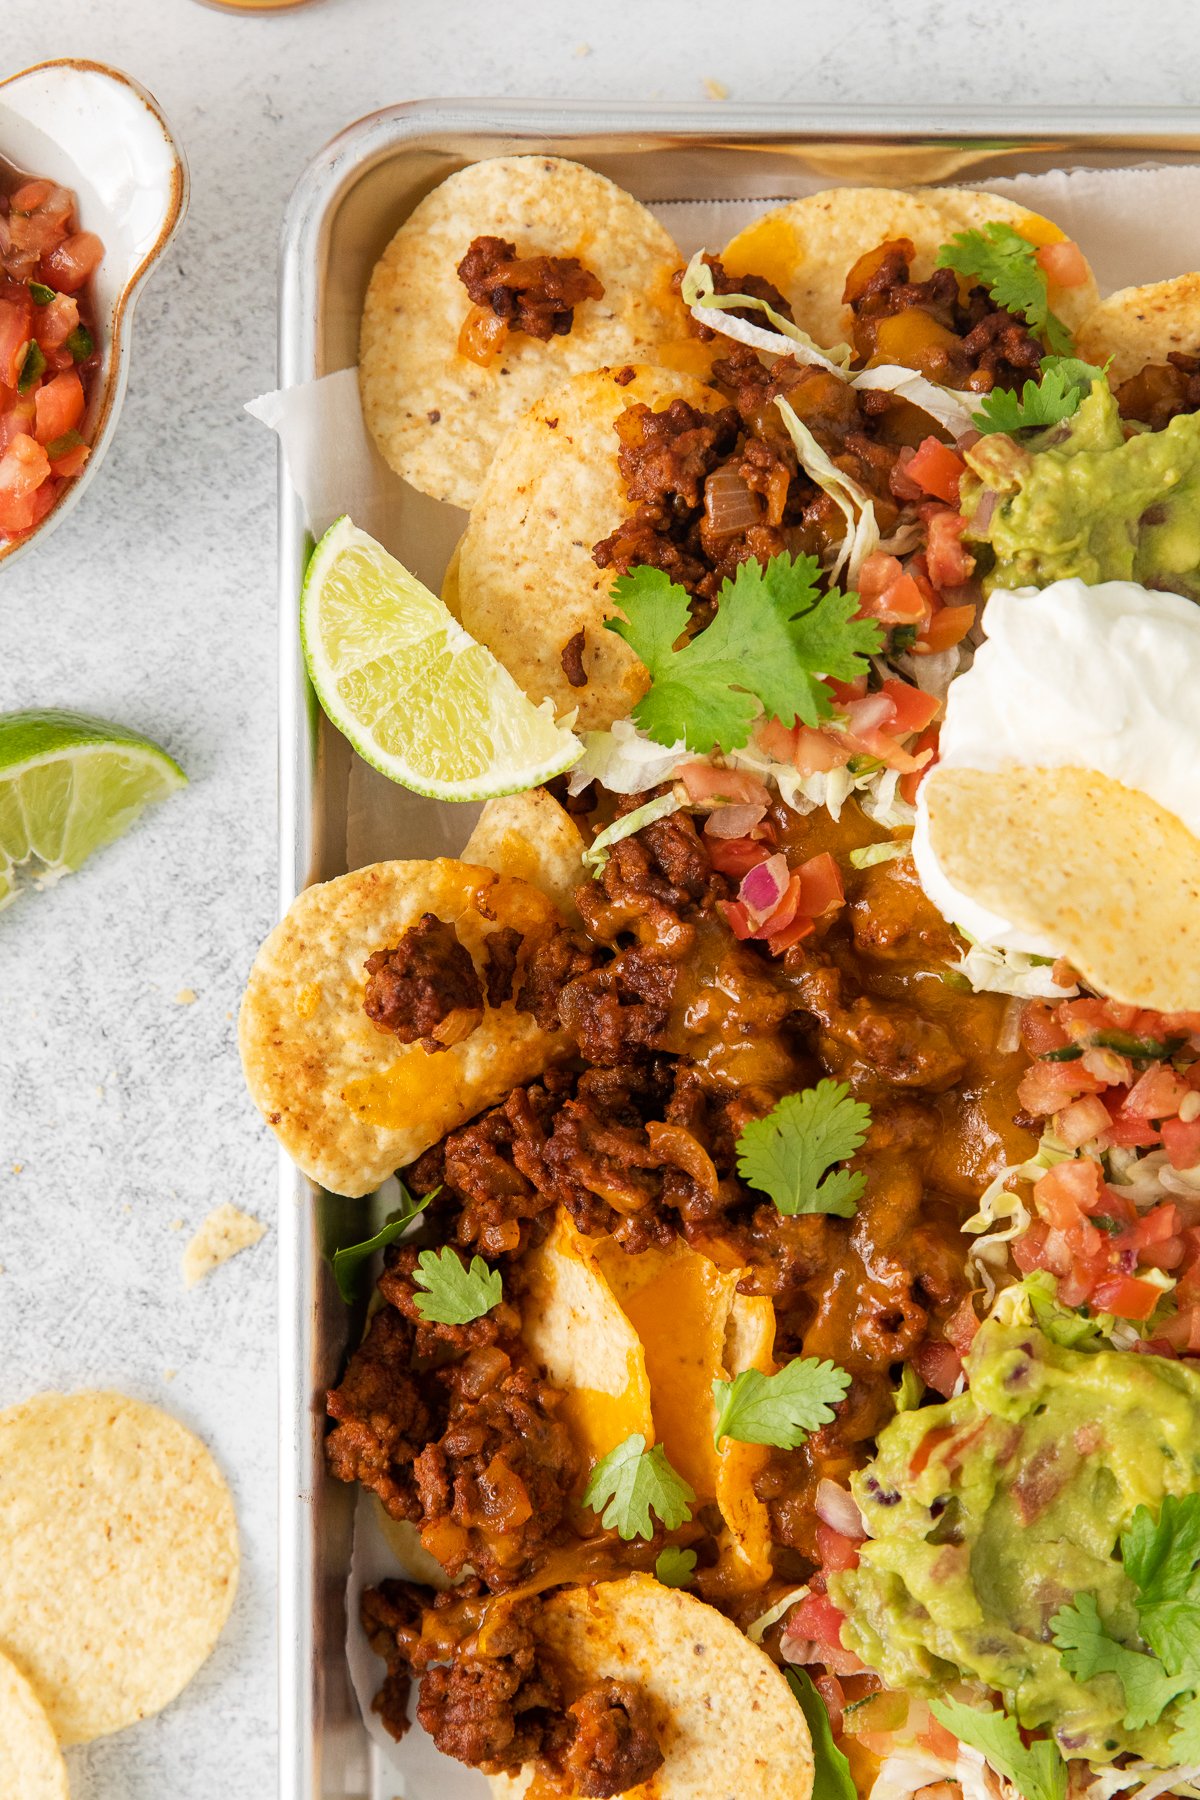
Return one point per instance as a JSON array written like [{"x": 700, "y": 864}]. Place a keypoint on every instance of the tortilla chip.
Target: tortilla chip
[
  {"x": 437, "y": 416},
  {"x": 527, "y": 582},
  {"x": 31, "y": 1764},
  {"x": 224, "y": 1233},
  {"x": 808, "y": 247},
  {"x": 120, "y": 1557},
  {"x": 1140, "y": 325},
  {"x": 531, "y": 836},
  {"x": 724, "y": 1715},
  {"x": 449, "y": 593},
  {"x": 1098, "y": 869},
  {"x": 572, "y": 1323},
  {"x": 695, "y": 1328},
  {"x": 349, "y": 1102}
]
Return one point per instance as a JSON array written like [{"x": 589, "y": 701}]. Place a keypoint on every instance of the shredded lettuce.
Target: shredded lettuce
[
  {"x": 942, "y": 404},
  {"x": 992, "y": 971},
  {"x": 870, "y": 854},
  {"x": 625, "y": 761},
  {"x": 1003, "y": 1214},
  {"x": 852, "y": 501},
  {"x": 758, "y": 1628},
  {"x": 785, "y": 339},
  {"x": 596, "y": 855}
]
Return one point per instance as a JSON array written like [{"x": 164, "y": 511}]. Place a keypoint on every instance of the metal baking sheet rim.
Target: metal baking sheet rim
[{"x": 309, "y": 1599}]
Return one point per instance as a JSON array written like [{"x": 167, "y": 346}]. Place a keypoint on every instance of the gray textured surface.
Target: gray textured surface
[{"x": 122, "y": 1108}]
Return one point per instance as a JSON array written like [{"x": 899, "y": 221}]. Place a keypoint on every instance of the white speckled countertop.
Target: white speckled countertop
[{"x": 122, "y": 1117}]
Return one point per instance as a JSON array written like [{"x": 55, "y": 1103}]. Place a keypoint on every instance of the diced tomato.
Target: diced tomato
[
  {"x": 16, "y": 330},
  {"x": 70, "y": 460},
  {"x": 836, "y": 1551},
  {"x": 947, "y": 627},
  {"x": 21, "y": 512},
  {"x": 704, "y": 782},
  {"x": 1078, "y": 1185},
  {"x": 737, "y": 918},
  {"x": 1126, "y": 1296},
  {"x": 912, "y": 709},
  {"x": 941, "y": 1743},
  {"x": 816, "y": 752},
  {"x": 937, "y": 469},
  {"x": 939, "y": 1366},
  {"x": 818, "y": 1620},
  {"x": 1181, "y": 1141},
  {"x": 821, "y": 888},
  {"x": 1155, "y": 1095},
  {"x": 1182, "y": 1331},
  {"x": 1082, "y": 1119},
  {"x": 846, "y": 691},
  {"x": 17, "y": 419},
  {"x": 900, "y": 603},
  {"x": 55, "y": 321},
  {"x": 776, "y": 739},
  {"x": 949, "y": 564},
  {"x": 1063, "y": 263},
  {"x": 1047, "y": 1087},
  {"x": 962, "y": 1326},
  {"x": 1126, "y": 1132},
  {"x": 59, "y": 404},
  {"x": 1040, "y": 1029},
  {"x": 781, "y": 917},
  {"x": 875, "y": 577},
  {"x": 23, "y": 468},
  {"x": 833, "y": 1694},
  {"x": 736, "y": 856},
  {"x": 926, "y": 743},
  {"x": 799, "y": 928},
  {"x": 70, "y": 263}
]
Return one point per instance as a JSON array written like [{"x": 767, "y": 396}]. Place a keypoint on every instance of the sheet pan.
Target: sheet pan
[{"x": 335, "y": 814}]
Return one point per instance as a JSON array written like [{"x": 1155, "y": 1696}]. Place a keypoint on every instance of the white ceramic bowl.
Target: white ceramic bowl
[{"x": 93, "y": 129}]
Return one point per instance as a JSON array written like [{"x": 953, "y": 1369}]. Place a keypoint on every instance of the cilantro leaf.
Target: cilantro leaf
[
  {"x": 631, "y": 1483},
  {"x": 1065, "y": 381},
  {"x": 1087, "y": 1650},
  {"x": 456, "y": 1294},
  {"x": 675, "y": 1567},
  {"x": 1160, "y": 1559},
  {"x": 780, "y": 1409},
  {"x": 773, "y": 641},
  {"x": 786, "y": 1154},
  {"x": 1185, "y": 1740},
  {"x": 348, "y": 1261},
  {"x": 1037, "y": 1770},
  {"x": 1006, "y": 264},
  {"x": 832, "y": 1779}
]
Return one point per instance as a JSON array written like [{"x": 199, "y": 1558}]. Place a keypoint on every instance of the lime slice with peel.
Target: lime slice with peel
[
  {"x": 417, "y": 697},
  {"x": 69, "y": 785}
]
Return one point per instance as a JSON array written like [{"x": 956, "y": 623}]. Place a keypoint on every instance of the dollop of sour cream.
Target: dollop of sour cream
[{"x": 1071, "y": 676}]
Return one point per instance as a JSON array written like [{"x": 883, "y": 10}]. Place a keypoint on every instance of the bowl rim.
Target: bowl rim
[{"x": 117, "y": 372}]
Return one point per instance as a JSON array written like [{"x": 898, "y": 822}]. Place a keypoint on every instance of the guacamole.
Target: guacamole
[
  {"x": 992, "y": 1512},
  {"x": 1083, "y": 499}
]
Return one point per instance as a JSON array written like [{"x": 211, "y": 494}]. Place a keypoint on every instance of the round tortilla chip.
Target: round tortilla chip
[
  {"x": 437, "y": 416},
  {"x": 808, "y": 247},
  {"x": 526, "y": 579},
  {"x": 531, "y": 836},
  {"x": 1098, "y": 869},
  {"x": 725, "y": 1718},
  {"x": 120, "y": 1557},
  {"x": 351, "y": 1103},
  {"x": 1140, "y": 325},
  {"x": 31, "y": 1764}
]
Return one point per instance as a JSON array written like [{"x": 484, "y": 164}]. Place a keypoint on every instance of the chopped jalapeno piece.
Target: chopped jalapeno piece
[
  {"x": 33, "y": 366},
  {"x": 42, "y": 294},
  {"x": 80, "y": 343}
]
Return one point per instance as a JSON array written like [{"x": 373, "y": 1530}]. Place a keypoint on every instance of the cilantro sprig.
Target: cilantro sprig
[
  {"x": 1087, "y": 1649},
  {"x": 781, "y": 1409},
  {"x": 1006, "y": 264},
  {"x": 786, "y": 1154},
  {"x": 455, "y": 1292},
  {"x": 1036, "y": 1770},
  {"x": 631, "y": 1484},
  {"x": 774, "y": 641},
  {"x": 1065, "y": 380},
  {"x": 348, "y": 1261},
  {"x": 832, "y": 1779},
  {"x": 675, "y": 1567}
]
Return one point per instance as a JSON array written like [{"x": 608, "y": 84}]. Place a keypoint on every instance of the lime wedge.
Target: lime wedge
[
  {"x": 417, "y": 697},
  {"x": 68, "y": 786}
]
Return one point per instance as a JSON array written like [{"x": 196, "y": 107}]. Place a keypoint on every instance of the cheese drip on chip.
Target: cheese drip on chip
[
  {"x": 723, "y": 1714},
  {"x": 348, "y": 1100},
  {"x": 1063, "y": 818}
]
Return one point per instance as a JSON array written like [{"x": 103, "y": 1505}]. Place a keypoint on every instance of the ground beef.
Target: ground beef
[
  {"x": 563, "y": 956},
  {"x": 572, "y": 659},
  {"x": 424, "y": 989},
  {"x": 973, "y": 344},
  {"x": 614, "y": 1746},
  {"x": 500, "y": 963},
  {"x": 454, "y": 1430},
  {"x": 1161, "y": 391},
  {"x": 535, "y": 294}
]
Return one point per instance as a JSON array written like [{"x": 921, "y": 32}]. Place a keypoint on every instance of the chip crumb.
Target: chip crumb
[
  {"x": 99, "y": 1092},
  {"x": 127, "y": 1208},
  {"x": 17, "y": 1168},
  {"x": 716, "y": 90},
  {"x": 170, "y": 1374},
  {"x": 583, "y": 49},
  {"x": 222, "y": 1235},
  {"x": 186, "y": 997},
  {"x": 176, "y": 1225}
]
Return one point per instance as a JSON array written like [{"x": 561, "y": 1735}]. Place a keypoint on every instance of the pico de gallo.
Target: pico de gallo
[{"x": 49, "y": 357}]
